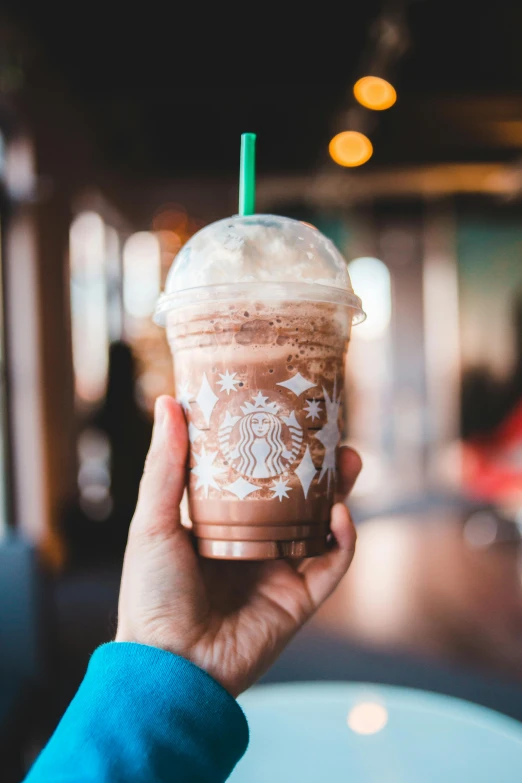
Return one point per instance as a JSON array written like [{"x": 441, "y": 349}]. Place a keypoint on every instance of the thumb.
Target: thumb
[{"x": 163, "y": 481}]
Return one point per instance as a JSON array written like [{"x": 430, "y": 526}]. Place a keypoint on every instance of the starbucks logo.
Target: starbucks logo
[
  {"x": 260, "y": 443},
  {"x": 256, "y": 439}
]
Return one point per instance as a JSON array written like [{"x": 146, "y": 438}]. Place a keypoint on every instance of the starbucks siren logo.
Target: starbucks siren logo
[
  {"x": 260, "y": 443},
  {"x": 259, "y": 436}
]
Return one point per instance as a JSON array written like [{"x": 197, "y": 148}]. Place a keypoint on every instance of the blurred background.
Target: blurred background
[{"x": 119, "y": 139}]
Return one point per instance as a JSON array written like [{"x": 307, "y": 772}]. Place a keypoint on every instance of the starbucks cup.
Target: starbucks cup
[{"x": 258, "y": 311}]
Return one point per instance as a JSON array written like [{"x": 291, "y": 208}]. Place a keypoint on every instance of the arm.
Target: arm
[
  {"x": 143, "y": 714},
  {"x": 157, "y": 705}
]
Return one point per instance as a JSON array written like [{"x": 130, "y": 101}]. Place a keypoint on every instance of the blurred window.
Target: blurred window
[
  {"x": 371, "y": 281},
  {"x": 114, "y": 284},
  {"x": 115, "y": 281},
  {"x": 143, "y": 255},
  {"x": 147, "y": 256},
  {"x": 369, "y": 391},
  {"x": 141, "y": 274},
  {"x": 19, "y": 167},
  {"x": 94, "y": 250}
]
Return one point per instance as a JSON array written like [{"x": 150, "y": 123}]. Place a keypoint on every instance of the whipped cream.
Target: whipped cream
[{"x": 258, "y": 249}]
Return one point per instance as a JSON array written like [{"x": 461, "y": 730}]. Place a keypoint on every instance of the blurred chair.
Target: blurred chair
[
  {"x": 24, "y": 625},
  {"x": 373, "y": 733}
]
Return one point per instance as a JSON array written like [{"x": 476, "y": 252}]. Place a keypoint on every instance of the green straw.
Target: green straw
[{"x": 247, "y": 174}]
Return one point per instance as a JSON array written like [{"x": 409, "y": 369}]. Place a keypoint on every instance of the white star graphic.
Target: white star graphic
[
  {"x": 306, "y": 472},
  {"x": 194, "y": 433},
  {"x": 184, "y": 396},
  {"x": 227, "y": 382},
  {"x": 241, "y": 488},
  {"x": 297, "y": 384},
  {"x": 280, "y": 489},
  {"x": 206, "y": 399},
  {"x": 206, "y": 471},
  {"x": 329, "y": 435},
  {"x": 313, "y": 410},
  {"x": 260, "y": 400}
]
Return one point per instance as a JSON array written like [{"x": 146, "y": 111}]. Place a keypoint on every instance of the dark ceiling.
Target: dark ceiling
[{"x": 168, "y": 88}]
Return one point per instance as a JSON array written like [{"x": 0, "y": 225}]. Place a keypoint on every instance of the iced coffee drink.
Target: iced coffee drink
[{"x": 258, "y": 312}]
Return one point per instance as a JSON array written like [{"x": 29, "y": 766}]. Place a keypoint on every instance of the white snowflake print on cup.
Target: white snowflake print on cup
[
  {"x": 261, "y": 436},
  {"x": 183, "y": 396},
  {"x": 313, "y": 409},
  {"x": 330, "y": 435},
  {"x": 228, "y": 382},
  {"x": 206, "y": 471}
]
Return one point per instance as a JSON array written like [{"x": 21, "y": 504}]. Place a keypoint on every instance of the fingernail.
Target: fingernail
[
  {"x": 159, "y": 418},
  {"x": 337, "y": 513},
  {"x": 338, "y": 517},
  {"x": 159, "y": 411}
]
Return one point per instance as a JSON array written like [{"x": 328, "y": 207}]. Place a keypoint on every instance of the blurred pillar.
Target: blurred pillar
[
  {"x": 25, "y": 377},
  {"x": 40, "y": 373},
  {"x": 44, "y": 424},
  {"x": 53, "y": 222}
]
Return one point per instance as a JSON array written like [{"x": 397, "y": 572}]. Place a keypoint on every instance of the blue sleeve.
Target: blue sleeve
[{"x": 143, "y": 714}]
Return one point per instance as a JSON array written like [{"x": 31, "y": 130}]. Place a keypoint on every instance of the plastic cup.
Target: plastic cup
[{"x": 258, "y": 311}]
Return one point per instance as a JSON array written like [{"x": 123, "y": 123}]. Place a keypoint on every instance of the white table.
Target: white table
[{"x": 333, "y": 732}]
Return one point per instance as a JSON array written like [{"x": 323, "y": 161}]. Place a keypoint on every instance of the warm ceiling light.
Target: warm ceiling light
[
  {"x": 375, "y": 93},
  {"x": 350, "y": 148}
]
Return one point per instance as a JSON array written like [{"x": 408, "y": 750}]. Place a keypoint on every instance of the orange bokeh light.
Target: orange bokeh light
[
  {"x": 171, "y": 217},
  {"x": 170, "y": 241},
  {"x": 350, "y": 148},
  {"x": 375, "y": 93}
]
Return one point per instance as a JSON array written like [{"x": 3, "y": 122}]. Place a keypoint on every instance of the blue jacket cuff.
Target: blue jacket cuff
[{"x": 145, "y": 714}]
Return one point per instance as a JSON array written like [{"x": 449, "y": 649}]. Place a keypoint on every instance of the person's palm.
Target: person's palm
[{"x": 231, "y": 618}]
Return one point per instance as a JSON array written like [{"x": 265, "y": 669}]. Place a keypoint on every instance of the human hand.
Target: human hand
[{"x": 230, "y": 618}]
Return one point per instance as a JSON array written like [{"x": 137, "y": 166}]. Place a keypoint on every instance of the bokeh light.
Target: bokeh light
[
  {"x": 375, "y": 93},
  {"x": 367, "y": 718},
  {"x": 480, "y": 530},
  {"x": 350, "y": 148},
  {"x": 170, "y": 241},
  {"x": 171, "y": 217}
]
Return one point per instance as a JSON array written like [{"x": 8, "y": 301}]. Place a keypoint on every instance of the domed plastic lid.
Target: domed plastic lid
[{"x": 258, "y": 256}]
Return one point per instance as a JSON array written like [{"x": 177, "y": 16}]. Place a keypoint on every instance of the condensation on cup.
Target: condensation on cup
[{"x": 258, "y": 311}]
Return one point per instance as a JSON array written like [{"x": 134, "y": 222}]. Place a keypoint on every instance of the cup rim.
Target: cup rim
[{"x": 281, "y": 291}]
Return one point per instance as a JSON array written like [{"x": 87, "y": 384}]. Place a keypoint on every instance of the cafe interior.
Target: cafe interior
[{"x": 395, "y": 128}]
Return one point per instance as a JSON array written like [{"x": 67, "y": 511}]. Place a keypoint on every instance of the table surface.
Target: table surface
[{"x": 331, "y": 732}]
